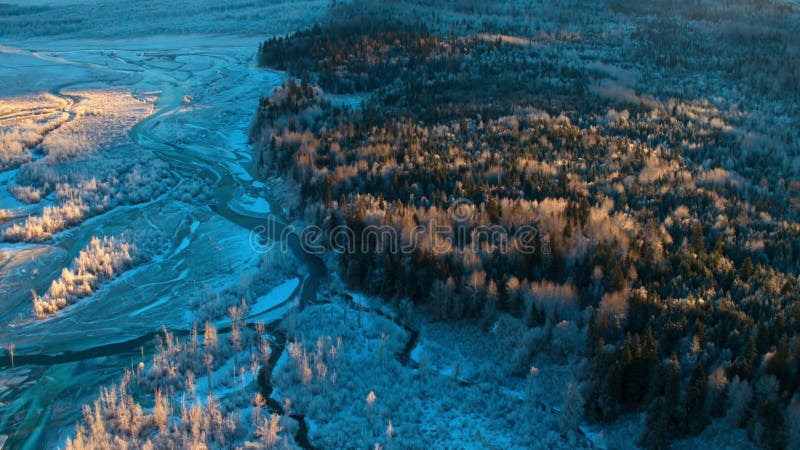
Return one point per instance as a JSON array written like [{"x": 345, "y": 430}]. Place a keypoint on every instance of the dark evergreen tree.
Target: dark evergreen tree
[
  {"x": 656, "y": 433},
  {"x": 695, "y": 415}
]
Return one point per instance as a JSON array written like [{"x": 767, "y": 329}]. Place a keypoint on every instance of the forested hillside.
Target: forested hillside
[{"x": 661, "y": 237}]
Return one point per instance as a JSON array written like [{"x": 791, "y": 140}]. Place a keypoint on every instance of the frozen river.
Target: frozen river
[{"x": 202, "y": 91}]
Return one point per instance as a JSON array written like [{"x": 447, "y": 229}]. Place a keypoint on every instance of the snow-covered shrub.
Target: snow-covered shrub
[
  {"x": 99, "y": 261},
  {"x": 193, "y": 192},
  {"x": 52, "y": 220},
  {"x": 26, "y": 194}
]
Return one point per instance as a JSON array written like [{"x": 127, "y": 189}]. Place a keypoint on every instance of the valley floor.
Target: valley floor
[
  {"x": 194, "y": 218},
  {"x": 132, "y": 282}
]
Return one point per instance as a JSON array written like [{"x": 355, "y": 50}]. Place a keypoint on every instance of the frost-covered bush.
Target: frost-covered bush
[
  {"x": 52, "y": 220},
  {"x": 26, "y": 194},
  {"x": 193, "y": 192},
  {"x": 12, "y": 153},
  {"x": 113, "y": 182},
  {"x": 100, "y": 261}
]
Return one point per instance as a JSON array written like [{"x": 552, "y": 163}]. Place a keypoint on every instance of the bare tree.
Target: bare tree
[
  {"x": 370, "y": 401},
  {"x": 11, "y": 348},
  {"x": 208, "y": 360},
  {"x": 269, "y": 431}
]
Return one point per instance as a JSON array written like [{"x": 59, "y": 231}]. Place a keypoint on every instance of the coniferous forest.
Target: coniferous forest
[{"x": 667, "y": 240}]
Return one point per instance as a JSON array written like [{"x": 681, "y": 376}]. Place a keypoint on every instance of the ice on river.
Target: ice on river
[
  {"x": 277, "y": 296},
  {"x": 252, "y": 206}
]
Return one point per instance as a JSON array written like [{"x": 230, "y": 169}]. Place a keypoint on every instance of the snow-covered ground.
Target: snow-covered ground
[
  {"x": 274, "y": 298},
  {"x": 192, "y": 95},
  {"x": 454, "y": 389}
]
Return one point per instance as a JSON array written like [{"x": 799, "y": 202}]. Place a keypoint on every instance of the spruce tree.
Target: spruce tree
[
  {"x": 656, "y": 431},
  {"x": 695, "y": 415}
]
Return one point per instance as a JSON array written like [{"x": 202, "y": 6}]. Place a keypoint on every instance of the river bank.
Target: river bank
[{"x": 206, "y": 87}]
